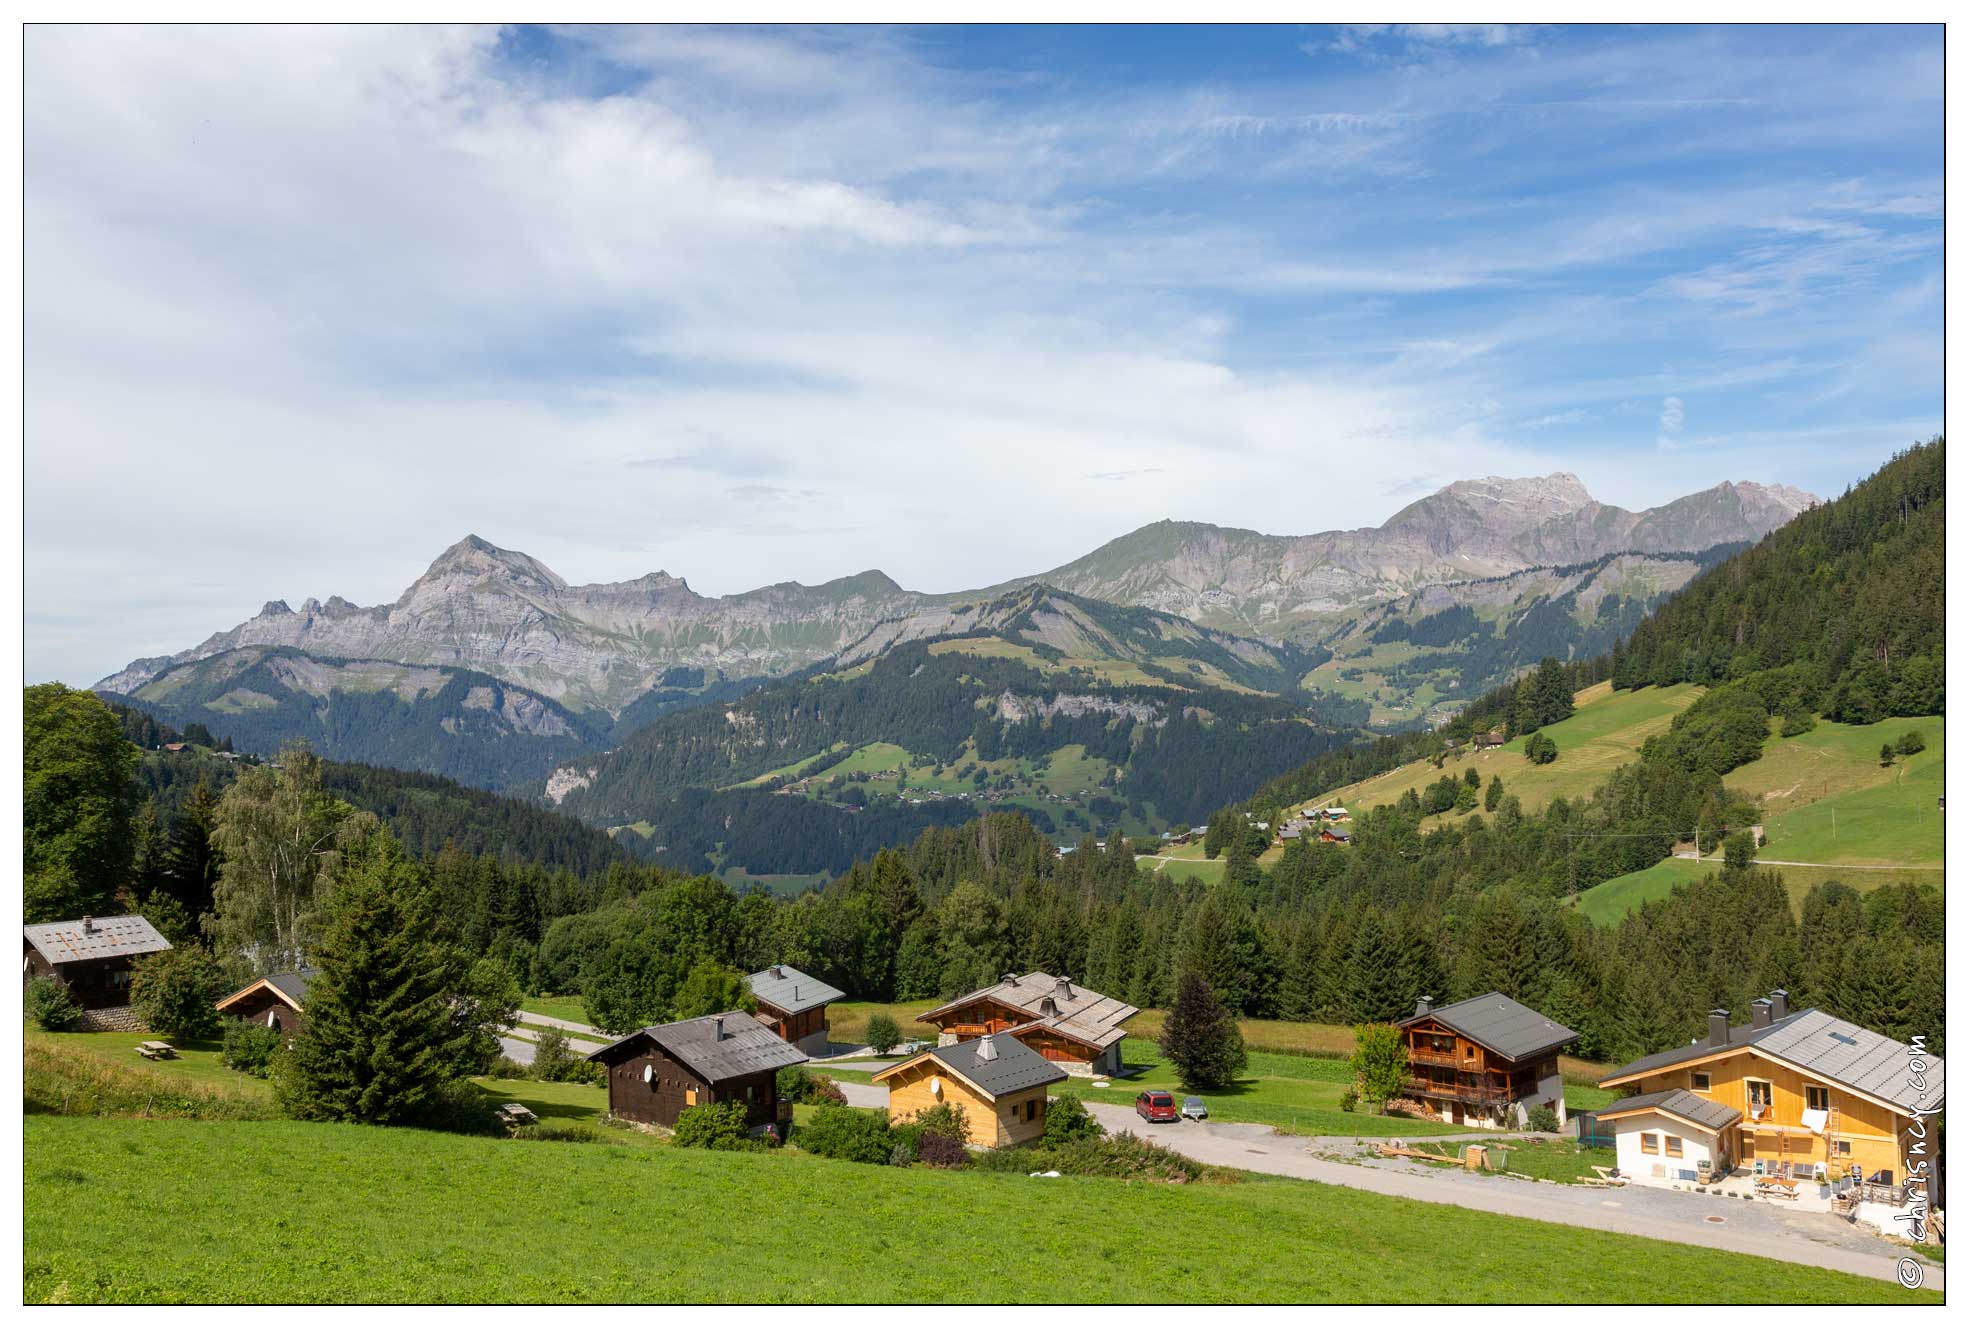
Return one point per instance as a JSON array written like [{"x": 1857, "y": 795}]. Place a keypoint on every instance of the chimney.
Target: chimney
[
  {"x": 718, "y": 1028},
  {"x": 987, "y": 1050},
  {"x": 1719, "y": 1028},
  {"x": 1780, "y": 1003},
  {"x": 1048, "y": 1007},
  {"x": 1423, "y": 1005},
  {"x": 88, "y": 924},
  {"x": 1760, "y": 1013},
  {"x": 1008, "y": 978},
  {"x": 796, "y": 992},
  {"x": 776, "y": 973},
  {"x": 1063, "y": 988}
]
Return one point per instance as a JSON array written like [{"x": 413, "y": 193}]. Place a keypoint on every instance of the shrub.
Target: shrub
[
  {"x": 1541, "y": 750},
  {"x": 1886, "y": 754},
  {"x": 854, "y": 1134},
  {"x": 1350, "y": 1099},
  {"x": 458, "y": 1106},
  {"x": 557, "y": 1063},
  {"x": 945, "y": 1119},
  {"x": 1068, "y": 1120},
  {"x": 797, "y": 1084},
  {"x": 942, "y": 1151},
  {"x": 1124, "y": 1157},
  {"x": 250, "y": 1047},
  {"x": 882, "y": 1033},
  {"x": 1797, "y": 721},
  {"x": 1541, "y": 1118},
  {"x": 1380, "y": 1061},
  {"x": 712, "y": 1126},
  {"x": 505, "y": 1068},
  {"x": 1911, "y": 742},
  {"x": 49, "y": 1004},
  {"x": 173, "y": 991},
  {"x": 903, "y": 1154}
]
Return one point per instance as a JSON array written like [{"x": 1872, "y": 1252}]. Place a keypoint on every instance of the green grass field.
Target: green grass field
[
  {"x": 1606, "y": 731},
  {"x": 281, "y": 1211},
  {"x": 1828, "y": 800},
  {"x": 1300, "y": 1095},
  {"x": 561, "y": 1008}
]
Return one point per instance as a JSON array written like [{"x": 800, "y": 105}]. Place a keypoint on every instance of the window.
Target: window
[
  {"x": 1673, "y": 1145},
  {"x": 690, "y": 1097},
  {"x": 1699, "y": 1081},
  {"x": 1758, "y": 1094},
  {"x": 1649, "y": 1145},
  {"x": 1842, "y": 1148},
  {"x": 1818, "y": 1098}
]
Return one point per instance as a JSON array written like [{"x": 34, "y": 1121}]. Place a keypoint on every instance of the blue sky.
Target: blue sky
[{"x": 306, "y": 305}]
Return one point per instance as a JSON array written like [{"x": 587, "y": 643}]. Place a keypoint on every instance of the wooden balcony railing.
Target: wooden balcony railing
[{"x": 1430, "y": 1057}]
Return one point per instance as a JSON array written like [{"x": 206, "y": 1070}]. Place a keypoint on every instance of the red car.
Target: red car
[{"x": 1156, "y": 1105}]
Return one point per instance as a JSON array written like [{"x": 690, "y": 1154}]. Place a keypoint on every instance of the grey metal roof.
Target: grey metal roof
[
  {"x": 1011, "y": 1067},
  {"x": 792, "y": 991},
  {"x": 1508, "y": 1028},
  {"x": 292, "y": 986},
  {"x": 1841, "y": 1052},
  {"x": 65, "y": 943},
  {"x": 745, "y": 1048},
  {"x": 1702, "y": 1111}
]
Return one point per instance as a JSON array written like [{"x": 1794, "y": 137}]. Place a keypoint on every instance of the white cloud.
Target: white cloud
[{"x": 1669, "y": 425}]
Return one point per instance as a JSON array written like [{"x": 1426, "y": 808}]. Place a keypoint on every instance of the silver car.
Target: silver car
[{"x": 1194, "y": 1110}]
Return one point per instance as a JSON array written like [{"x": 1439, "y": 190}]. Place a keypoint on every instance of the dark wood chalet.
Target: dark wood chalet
[
  {"x": 92, "y": 955},
  {"x": 794, "y": 1006},
  {"x": 276, "y": 1001},
  {"x": 1485, "y": 1061},
  {"x": 655, "y": 1073}
]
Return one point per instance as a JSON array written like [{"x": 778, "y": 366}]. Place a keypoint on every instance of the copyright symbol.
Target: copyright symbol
[{"x": 1908, "y": 1272}]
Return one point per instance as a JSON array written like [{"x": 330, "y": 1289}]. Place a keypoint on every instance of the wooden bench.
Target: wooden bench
[
  {"x": 153, "y": 1050},
  {"x": 517, "y": 1114}
]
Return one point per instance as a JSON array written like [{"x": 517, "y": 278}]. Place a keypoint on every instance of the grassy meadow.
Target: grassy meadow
[
  {"x": 280, "y": 1211},
  {"x": 1606, "y": 731}
]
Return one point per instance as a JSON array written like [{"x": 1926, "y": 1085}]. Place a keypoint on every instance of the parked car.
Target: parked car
[
  {"x": 1194, "y": 1110},
  {"x": 1155, "y": 1105}
]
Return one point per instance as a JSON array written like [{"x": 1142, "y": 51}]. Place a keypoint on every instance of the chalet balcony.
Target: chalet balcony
[
  {"x": 1462, "y": 1092},
  {"x": 1428, "y": 1057}
]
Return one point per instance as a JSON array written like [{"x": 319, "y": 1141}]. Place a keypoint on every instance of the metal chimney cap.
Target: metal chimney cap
[{"x": 987, "y": 1050}]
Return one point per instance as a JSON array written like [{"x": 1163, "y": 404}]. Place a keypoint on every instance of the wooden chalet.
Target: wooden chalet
[
  {"x": 655, "y": 1073},
  {"x": 1829, "y": 1112},
  {"x": 276, "y": 1001},
  {"x": 1334, "y": 835},
  {"x": 1484, "y": 1062},
  {"x": 999, "y": 1082},
  {"x": 794, "y": 1006},
  {"x": 1074, "y": 1026},
  {"x": 93, "y": 956}
]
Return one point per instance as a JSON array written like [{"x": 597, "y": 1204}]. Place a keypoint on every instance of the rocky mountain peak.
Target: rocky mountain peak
[{"x": 476, "y": 559}]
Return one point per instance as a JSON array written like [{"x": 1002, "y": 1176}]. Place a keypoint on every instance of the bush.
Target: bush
[
  {"x": 554, "y": 1062},
  {"x": 505, "y": 1068},
  {"x": 1540, "y": 750},
  {"x": 945, "y": 1119},
  {"x": 458, "y": 1106},
  {"x": 49, "y": 1004},
  {"x": 566, "y": 1132},
  {"x": 1123, "y": 1157},
  {"x": 942, "y": 1151},
  {"x": 1797, "y": 721},
  {"x": 1068, "y": 1120},
  {"x": 1380, "y": 1061},
  {"x": 712, "y": 1126},
  {"x": 174, "y": 991},
  {"x": 855, "y": 1134},
  {"x": 882, "y": 1033},
  {"x": 1350, "y": 1099},
  {"x": 903, "y": 1154},
  {"x": 797, "y": 1084},
  {"x": 251, "y": 1047},
  {"x": 1911, "y": 742},
  {"x": 1542, "y": 1118}
]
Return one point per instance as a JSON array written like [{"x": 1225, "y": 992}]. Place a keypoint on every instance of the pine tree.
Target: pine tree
[
  {"x": 1201, "y": 1037},
  {"x": 1494, "y": 794},
  {"x": 1377, "y": 989},
  {"x": 384, "y": 1035}
]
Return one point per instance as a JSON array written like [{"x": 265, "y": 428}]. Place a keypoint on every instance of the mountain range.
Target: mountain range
[{"x": 608, "y": 646}]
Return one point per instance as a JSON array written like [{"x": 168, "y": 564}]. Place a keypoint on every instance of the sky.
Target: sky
[{"x": 306, "y": 305}]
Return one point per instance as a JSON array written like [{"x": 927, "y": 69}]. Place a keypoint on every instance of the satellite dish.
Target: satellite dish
[
  {"x": 936, "y": 1087},
  {"x": 273, "y": 1019},
  {"x": 649, "y": 1074}
]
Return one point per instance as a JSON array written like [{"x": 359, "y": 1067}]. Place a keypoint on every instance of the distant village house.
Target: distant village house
[
  {"x": 1074, "y": 1026},
  {"x": 93, "y": 956},
  {"x": 276, "y": 1001},
  {"x": 794, "y": 1006}
]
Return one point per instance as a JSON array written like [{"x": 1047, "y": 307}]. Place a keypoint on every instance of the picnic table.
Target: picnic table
[
  {"x": 155, "y": 1050},
  {"x": 517, "y": 1114},
  {"x": 1777, "y": 1188}
]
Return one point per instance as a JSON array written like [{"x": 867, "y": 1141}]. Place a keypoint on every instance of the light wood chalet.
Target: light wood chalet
[
  {"x": 1796, "y": 1094},
  {"x": 1075, "y": 1026},
  {"x": 999, "y": 1082},
  {"x": 1484, "y": 1062},
  {"x": 794, "y": 1006},
  {"x": 277, "y": 1001}
]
